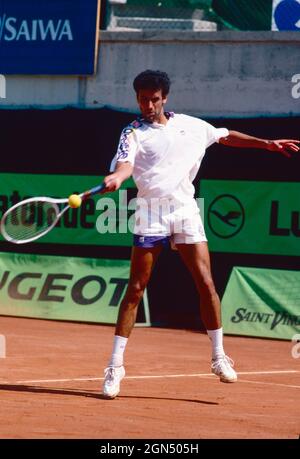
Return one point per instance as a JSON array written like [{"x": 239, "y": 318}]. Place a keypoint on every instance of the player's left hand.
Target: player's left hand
[{"x": 284, "y": 146}]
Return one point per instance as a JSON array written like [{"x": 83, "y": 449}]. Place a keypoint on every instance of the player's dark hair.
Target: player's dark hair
[{"x": 152, "y": 79}]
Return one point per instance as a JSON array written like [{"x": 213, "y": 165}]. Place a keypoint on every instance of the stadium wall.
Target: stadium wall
[{"x": 222, "y": 74}]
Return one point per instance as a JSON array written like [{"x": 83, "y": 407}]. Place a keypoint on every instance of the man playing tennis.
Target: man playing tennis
[{"x": 163, "y": 152}]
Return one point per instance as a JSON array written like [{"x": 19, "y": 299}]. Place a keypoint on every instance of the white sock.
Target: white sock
[
  {"x": 118, "y": 351},
  {"x": 216, "y": 337}
]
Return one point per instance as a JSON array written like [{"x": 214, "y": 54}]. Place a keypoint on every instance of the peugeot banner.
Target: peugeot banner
[
  {"x": 64, "y": 288},
  {"x": 42, "y": 37}
]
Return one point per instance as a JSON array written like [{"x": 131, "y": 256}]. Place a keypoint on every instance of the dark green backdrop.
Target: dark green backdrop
[{"x": 74, "y": 141}]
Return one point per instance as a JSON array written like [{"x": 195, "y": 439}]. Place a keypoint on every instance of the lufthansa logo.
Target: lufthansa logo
[{"x": 226, "y": 216}]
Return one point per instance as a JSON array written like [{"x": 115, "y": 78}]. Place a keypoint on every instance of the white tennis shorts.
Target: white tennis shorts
[{"x": 164, "y": 217}]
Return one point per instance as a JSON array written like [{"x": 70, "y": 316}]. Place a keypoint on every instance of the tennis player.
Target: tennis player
[{"x": 163, "y": 152}]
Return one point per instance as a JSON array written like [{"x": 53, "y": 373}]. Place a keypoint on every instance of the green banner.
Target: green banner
[
  {"x": 262, "y": 302},
  {"x": 252, "y": 217},
  {"x": 77, "y": 226},
  {"x": 244, "y": 14},
  {"x": 63, "y": 288}
]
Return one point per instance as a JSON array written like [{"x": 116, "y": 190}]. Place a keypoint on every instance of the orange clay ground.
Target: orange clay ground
[{"x": 51, "y": 379}]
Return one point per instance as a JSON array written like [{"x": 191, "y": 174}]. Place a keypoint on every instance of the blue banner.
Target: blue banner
[{"x": 42, "y": 37}]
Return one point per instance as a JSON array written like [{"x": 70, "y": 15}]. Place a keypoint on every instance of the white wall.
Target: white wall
[{"x": 213, "y": 74}]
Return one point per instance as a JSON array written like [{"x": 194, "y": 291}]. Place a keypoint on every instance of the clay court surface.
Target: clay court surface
[{"x": 51, "y": 379}]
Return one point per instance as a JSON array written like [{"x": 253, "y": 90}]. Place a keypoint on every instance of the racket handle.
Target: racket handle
[{"x": 93, "y": 191}]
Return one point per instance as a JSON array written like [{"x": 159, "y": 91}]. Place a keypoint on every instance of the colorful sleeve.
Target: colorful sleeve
[{"x": 127, "y": 147}]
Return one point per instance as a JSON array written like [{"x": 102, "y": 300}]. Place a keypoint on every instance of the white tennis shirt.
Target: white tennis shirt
[{"x": 166, "y": 158}]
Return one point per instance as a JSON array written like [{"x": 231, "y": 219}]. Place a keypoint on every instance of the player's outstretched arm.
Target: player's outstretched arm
[
  {"x": 121, "y": 173},
  {"x": 283, "y": 146}
]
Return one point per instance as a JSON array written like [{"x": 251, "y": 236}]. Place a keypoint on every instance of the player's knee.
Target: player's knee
[
  {"x": 135, "y": 292},
  {"x": 206, "y": 284}
]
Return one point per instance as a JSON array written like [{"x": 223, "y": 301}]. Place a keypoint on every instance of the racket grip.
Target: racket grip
[{"x": 92, "y": 191}]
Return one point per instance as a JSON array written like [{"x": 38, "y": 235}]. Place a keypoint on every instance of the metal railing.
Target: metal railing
[{"x": 157, "y": 15}]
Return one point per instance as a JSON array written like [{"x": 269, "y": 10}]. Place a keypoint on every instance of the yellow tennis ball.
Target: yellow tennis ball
[{"x": 74, "y": 201}]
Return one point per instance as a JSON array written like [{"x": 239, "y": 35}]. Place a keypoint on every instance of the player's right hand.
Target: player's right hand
[{"x": 112, "y": 183}]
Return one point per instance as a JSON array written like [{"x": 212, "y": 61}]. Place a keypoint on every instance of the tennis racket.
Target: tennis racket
[{"x": 32, "y": 218}]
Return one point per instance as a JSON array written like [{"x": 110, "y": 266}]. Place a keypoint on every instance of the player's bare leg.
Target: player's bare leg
[
  {"x": 197, "y": 259},
  {"x": 142, "y": 263}
]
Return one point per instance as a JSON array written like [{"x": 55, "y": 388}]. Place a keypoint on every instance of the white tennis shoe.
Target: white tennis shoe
[
  {"x": 223, "y": 367},
  {"x": 112, "y": 379}
]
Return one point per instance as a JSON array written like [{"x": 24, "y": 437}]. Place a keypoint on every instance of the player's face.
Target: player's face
[{"x": 151, "y": 103}]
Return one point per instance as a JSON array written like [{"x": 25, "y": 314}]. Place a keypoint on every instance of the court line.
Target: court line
[
  {"x": 268, "y": 383},
  {"x": 192, "y": 375}
]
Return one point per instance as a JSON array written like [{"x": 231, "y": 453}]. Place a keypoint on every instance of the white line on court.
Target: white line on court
[
  {"x": 193, "y": 375},
  {"x": 268, "y": 383}
]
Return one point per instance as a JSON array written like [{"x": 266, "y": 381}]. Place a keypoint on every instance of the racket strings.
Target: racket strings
[{"x": 29, "y": 220}]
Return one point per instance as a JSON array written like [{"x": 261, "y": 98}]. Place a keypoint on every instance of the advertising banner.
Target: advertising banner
[
  {"x": 252, "y": 217},
  {"x": 103, "y": 220},
  {"x": 286, "y": 15},
  {"x": 63, "y": 288},
  {"x": 57, "y": 37},
  {"x": 262, "y": 302}
]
